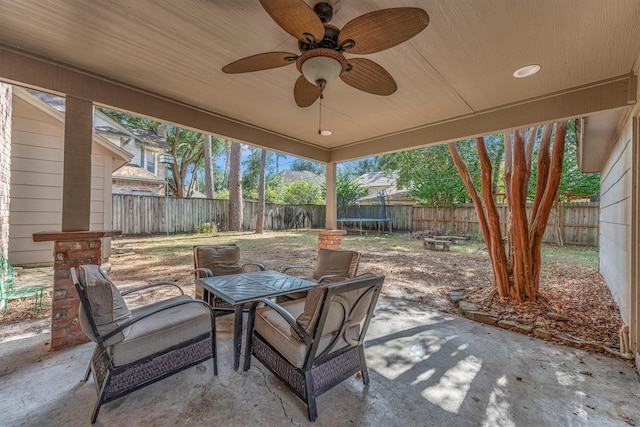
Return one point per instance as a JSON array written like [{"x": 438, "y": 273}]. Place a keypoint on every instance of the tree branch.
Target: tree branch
[{"x": 543, "y": 168}]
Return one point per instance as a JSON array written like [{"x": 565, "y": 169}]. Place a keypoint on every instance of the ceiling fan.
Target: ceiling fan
[{"x": 322, "y": 47}]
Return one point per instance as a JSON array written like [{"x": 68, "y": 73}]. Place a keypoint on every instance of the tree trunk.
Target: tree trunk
[
  {"x": 261, "y": 188},
  {"x": 498, "y": 262},
  {"x": 176, "y": 167},
  {"x": 495, "y": 245},
  {"x": 518, "y": 205},
  {"x": 518, "y": 274},
  {"x": 208, "y": 168},
  {"x": 235, "y": 187}
]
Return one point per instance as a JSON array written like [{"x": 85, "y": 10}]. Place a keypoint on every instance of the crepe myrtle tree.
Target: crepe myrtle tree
[{"x": 516, "y": 268}]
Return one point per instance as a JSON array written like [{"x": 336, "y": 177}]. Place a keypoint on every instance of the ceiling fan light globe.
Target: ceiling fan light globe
[{"x": 321, "y": 68}]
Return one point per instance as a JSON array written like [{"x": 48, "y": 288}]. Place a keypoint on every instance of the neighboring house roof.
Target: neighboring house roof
[
  {"x": 108, "y": 130},
  {"x": 55, "y": 107},
  {"x": 293, "y": 176},
  {"x": 390, "y": 193},
  {"x": 377, "y": 179},
  {"x": 148, "y": 137},
  {"x": 133, "y": 172},
  {"x": 57, "y": 102}
]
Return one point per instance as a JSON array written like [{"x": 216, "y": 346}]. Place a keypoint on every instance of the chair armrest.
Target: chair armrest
[
  {"x": 207, "y": 272},
  {"x": 151, "y": 313},
  {"x": 151, "y": 285},
  {"x": 284, "y": 270},
  {"x": 255, "y": 264},
  {"x": 332, "y": 276},
  {"x": 290, "y": 320}
]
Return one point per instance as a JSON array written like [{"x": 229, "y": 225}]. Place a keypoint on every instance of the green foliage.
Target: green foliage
[
  {"x": 251, "y": 175},
  {"x": 307, "y": 165},
  {"x": 302, "y": 193},
  {"x": 430, "y": 175},
  {"x": 348, "y": 191},
  {"x": 573, "y": 183},
  {"x": 273, "y": 191},
  {"x": 206, "y": 228},
  {"x": 222, "y": 194},
  {"x": 359, "y": 167}
]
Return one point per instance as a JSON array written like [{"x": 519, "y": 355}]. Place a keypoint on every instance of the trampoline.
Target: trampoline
[{"x": 365, "y": 216}]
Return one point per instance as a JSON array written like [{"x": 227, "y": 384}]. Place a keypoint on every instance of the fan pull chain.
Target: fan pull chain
[
  {"x": 320, "y": 131},
  {"x": 320, "y": 116}
]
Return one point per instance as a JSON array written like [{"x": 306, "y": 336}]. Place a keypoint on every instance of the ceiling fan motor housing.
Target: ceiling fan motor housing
[
  {"x": 324, "y": 11},
  {"x": 329, "y": 41}
]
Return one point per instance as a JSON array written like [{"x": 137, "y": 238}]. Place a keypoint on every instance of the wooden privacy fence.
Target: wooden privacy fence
[
  {"x": 157, "y": 215},
  {"x": 569, "y": 223}
]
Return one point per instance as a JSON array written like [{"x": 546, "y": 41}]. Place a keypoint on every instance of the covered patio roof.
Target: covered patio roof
[{"x": 163, "y": 59}]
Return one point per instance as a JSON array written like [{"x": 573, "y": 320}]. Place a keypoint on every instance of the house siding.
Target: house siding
[
  {"x": 5, "y": 164},
  {"x": 36, "y": 183},
  {"x": 616, "y": 221}
]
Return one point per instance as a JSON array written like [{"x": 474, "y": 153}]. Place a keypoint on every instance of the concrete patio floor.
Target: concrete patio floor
[{"x": 426, "y": 368}]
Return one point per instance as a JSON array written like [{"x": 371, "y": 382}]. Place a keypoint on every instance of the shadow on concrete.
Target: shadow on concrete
[{"x": 427, "y": 369}]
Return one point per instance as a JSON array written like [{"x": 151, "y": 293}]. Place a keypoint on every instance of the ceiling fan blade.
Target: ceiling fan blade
[
  {"x": 295, "y": 17},
  {"x": 369, "y": 77},
  {"x": 261, "y": 61},
  {"x": 382, "y": 29},
  {"x": 305, "y": 92}
]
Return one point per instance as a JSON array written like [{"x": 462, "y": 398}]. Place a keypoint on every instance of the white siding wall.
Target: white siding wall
[
  {"x": 36, "y": 183},
  {"x": 615, "y": 221},
  {"x": 137, "y": 153}
]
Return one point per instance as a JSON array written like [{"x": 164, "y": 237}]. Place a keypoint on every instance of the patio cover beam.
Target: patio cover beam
[
  {"x": 25, "y": 69},
  {"x": 616, "y": 93}
]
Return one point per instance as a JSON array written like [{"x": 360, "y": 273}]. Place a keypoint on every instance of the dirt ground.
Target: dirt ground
[{"x": 577, "y": 301}]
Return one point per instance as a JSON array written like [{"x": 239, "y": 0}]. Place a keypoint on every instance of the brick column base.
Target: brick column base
[
  {"x": 329, "y": 239},
  {"x": 70, "y": 250}
]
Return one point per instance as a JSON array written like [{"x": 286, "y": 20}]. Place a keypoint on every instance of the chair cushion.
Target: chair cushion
[
  {"x": 162, "y": 330},
  {"x": 108, "y": 308},
  {"x": 274, "y": 329},
  {"x": 277, "y": 332},
  {"x": 336, "y": 261},
  {"x": 310, "y": 315},
  {"x": 221, "y": 260},
  {"x": 308, "y": 318}
]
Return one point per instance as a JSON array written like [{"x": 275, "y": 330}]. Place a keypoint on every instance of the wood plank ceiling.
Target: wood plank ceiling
[{"x": 454, "y": 79}]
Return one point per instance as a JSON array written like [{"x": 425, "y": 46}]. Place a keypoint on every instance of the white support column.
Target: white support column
[{"x": 332, "y": 206}]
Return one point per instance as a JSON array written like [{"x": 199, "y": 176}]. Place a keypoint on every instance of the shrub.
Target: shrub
[{"x": 206, "y": 228}]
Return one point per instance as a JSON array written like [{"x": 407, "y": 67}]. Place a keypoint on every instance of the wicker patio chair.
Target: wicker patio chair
[
  {"x": 218, "y": 260},
  {"x": 315, "y": 343},
  {"x": 135, "y": 348},
  {"x": 333, "y": 265}
]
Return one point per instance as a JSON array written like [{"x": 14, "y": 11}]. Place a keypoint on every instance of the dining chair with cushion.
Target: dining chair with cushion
[
  {"x": 333, "y": 265},
  {"x": 218, "y": 260},
  {"x": 314, "y": 344}
]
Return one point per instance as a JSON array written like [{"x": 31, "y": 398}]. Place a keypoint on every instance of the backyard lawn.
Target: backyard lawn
[{"x": 577, "y": 301}]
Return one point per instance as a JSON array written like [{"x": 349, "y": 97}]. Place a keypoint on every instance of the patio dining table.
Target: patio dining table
[{"x": 245, "y": 288}]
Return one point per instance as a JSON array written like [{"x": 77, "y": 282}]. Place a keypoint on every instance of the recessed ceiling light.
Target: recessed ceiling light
[
  {"x": 527, "y": 71},
  {"x": 325, "y": 132}
]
